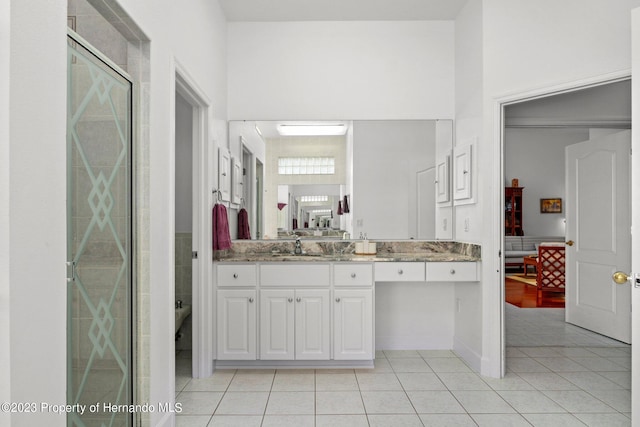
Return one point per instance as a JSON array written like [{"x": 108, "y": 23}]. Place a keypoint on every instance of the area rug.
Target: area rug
[{"x": 529, "y": 280}]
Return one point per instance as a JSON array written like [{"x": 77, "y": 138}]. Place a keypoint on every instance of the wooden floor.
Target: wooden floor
[{"x": 525, "y": 296}]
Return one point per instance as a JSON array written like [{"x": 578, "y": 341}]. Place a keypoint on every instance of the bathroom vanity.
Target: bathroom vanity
[{"x": 276, "y": 309}]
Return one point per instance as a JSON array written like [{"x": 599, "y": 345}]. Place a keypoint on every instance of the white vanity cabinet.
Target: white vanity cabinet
[
  {"x": 294, "y": 324},
  {"x": 237, "y": 309},
  {"x": 353, "y": 311},
  {"x": 236, "y": 316},
  {"x": 294, "y": 311}
]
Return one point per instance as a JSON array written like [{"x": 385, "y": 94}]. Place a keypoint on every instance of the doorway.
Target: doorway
[
  {"x": 193, "y": 204},
  {"x": 536, "y": 131}
]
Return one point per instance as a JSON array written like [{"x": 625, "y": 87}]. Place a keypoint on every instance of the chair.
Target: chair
[{"x": 550, "y": 268}]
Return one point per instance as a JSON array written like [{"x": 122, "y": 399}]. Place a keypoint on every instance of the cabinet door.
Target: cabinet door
[
  {"x": 313, "y": 335},
  {"x": 236, "y": 324},
  {"x": 353, "y": 324},
  {"x": 277, "y": 324},
  {"x": 462, "y": 172}
]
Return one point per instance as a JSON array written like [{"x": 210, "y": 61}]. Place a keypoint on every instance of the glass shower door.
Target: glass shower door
[{"x": 99, "y": 243}]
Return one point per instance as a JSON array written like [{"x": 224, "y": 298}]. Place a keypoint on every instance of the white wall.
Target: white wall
[
  {"x": 468, "y": 337},
  {"x": 341, "y": 70},
  {"x": 387, "y": 155},
  {"x": 536, "y": 157},
  {"x": 37, "y": 215},
  {"x": 5, "y": 283},
  {"x": 184, "y": 169},
  {"x": 525, "y": 50}
]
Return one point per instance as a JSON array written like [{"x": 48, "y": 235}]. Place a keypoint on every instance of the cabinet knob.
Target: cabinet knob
[
  {"x": 235, "y": 275},
  {"x": 290, "y": 299},
  {"x": 337, "y": 299},
  {"x": 251, "y": 299},
  {"x": 353, "y": 275},
  {"x": 298, "y": 299},
  {"x": 400, "y": 271},
  {"x": 452, "y": 271}
]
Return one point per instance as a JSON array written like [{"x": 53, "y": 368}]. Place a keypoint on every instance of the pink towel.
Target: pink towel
[
  {"x": 243, "y": 225},
  {"x": 345, "y": 207},
  {"x": 339, "y": 207},
  {"x": 221, "y": 237}
]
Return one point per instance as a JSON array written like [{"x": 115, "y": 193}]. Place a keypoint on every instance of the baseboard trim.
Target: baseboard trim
[{"x": 471, "y": 357}]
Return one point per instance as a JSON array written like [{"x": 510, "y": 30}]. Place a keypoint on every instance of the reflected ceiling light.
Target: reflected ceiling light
[{"x": 312, "y": 129}]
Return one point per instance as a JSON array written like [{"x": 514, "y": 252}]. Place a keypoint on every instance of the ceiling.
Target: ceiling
[{"x": 341, "y": 10}]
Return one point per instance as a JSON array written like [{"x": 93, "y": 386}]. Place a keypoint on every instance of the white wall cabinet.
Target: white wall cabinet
[
  {"x": 463, "y": 174},
  {"x": 236, "y": 324},
  {"x": 294, "y": 324}
]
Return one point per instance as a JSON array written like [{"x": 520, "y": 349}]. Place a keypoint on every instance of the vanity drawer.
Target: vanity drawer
[
  {"x": 399, "y": 272},
  {"x": 236, "y": 275},
  {"x": 295, "y": 274},
  {"x": 452, "y": 271},
  {"x": 352, "y": 274}
]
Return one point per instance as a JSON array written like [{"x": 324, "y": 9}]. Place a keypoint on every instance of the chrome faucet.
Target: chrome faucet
[{"x": 298, "y": 248}]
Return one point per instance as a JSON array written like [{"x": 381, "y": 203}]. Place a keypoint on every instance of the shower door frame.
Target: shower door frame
[{"x": 134, "y": 418}]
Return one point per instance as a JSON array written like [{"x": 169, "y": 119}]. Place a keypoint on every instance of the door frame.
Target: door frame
[
  {"x": 201, "y": 315},
  {"x": 499, "y": 105}
]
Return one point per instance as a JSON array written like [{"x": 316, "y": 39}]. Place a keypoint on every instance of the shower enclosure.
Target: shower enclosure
[{"x": 100, "y": 330}]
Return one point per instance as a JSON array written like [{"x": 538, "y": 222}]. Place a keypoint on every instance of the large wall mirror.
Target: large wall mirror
[{"x": 386, "y": 179}]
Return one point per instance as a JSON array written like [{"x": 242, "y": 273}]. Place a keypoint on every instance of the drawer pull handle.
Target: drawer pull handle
[
  {"x": 298, "y": 299},
  {"x": 452, "y": 271},
  {"x": 353, "y": 275},
  {"x": 235, "y": 275},
  {"x": 400, "y": 271},
  {"x": 251, "y": 299},
  {"x": 290, "y": 299},
  {"x": 337, "y": 299}
]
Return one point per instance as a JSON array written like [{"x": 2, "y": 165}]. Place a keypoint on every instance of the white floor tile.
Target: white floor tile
[
  {"x": 394, "y": 421},
  {"x": 559, "y": 375},
  {"x": 435, "y": 402},
  {"x": 449, "y": 420},
  {"x": 387, "y": 402},
  {"x": 243, "y": 403},
  {"x": 288, "y": 421},
  {"x": 339, "y": 403},
  {"x": 482, "y": 402},
  {"x": 420, "y": 381},
  {"x": 235, "y": 421},
  {"x": 291, "y": 403},
  {"x": 341, "y": 421}
]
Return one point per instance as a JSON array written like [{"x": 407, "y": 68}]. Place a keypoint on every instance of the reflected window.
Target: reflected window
[{"x": 306, "y": 165}]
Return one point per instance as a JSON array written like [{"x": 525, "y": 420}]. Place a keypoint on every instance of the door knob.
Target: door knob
[
  {"x": 621, "y": 278},
  {"x": 569, "y": 243}
]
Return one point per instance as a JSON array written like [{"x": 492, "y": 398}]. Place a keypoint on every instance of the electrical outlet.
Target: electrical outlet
[
  {"x": 458, "y": 305},
  {"x": 466, "y": 224}
]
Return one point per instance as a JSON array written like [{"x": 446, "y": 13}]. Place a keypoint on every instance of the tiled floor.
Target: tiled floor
[{"x": 558, "y": 375}]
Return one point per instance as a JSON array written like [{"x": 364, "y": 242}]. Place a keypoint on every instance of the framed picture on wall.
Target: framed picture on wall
[{"x": 550, "y": 205}]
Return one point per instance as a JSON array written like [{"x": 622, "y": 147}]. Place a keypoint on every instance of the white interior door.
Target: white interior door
[{"x": 599, "y": 224}]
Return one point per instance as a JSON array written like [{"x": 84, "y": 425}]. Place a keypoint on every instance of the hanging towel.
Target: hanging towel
[
  {"x": 221, "y": 237},
  {"x": 295, "y": 223},
  {"x": 345, "y": 208},
  {"x": 243, "y": 225},
  {"x": 339, "y": 207}
]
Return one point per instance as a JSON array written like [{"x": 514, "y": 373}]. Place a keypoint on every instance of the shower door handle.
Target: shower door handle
[{"x": 71, "y": 271}]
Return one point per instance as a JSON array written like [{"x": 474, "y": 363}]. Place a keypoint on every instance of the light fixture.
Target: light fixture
[{"x": 312, "y": 129}]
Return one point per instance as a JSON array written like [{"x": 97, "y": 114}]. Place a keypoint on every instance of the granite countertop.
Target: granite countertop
[
  {"x": 414, "y": 251},
  {"x": 395, "y": 257}
]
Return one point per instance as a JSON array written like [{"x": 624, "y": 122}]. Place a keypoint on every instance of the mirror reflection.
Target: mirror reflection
[{"x": 342, "y": 179}]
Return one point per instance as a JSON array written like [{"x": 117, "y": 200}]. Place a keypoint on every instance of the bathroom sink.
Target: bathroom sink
[{"x": 299, "y": 257}]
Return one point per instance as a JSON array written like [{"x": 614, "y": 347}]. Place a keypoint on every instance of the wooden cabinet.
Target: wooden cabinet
[
  {"x": 237, "y": 324},
  {"x": 513, "y": 211}
]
